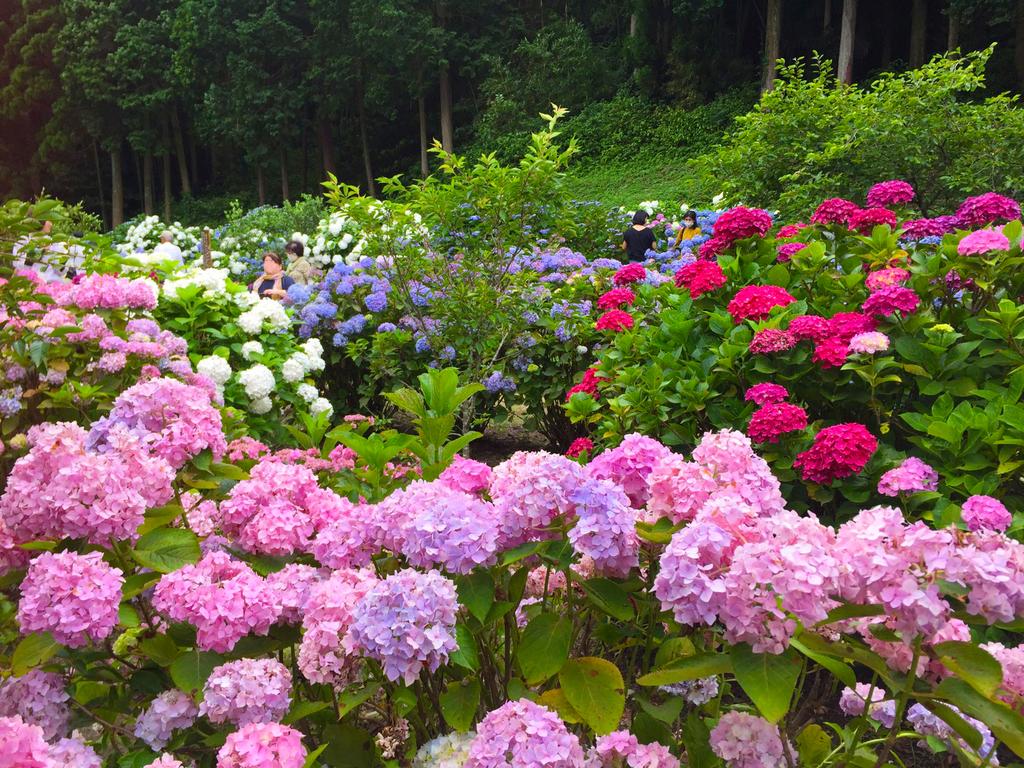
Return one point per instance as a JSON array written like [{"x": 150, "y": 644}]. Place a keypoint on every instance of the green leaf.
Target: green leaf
[
  {"x": 842, "y": 670},
  {"x": 301, "y": 709},
  {"x": 158, "y": 517},
  {"x": 688, "y": 668},
  {"x": 89, "y": 690},
  {"x": 33, "y": 650},
  {"x": 544, "y": 647},
  {"x": 166, "y": 549},
  {"x": 610, "y": 598},
  {"x": 595, "y": 689},
  {"x": 138, "y": 759},
  {"x": 349, "y": 699},
  {"x": 127, "y": 616},
  {"x": 696, "y": 737},
  {"x": 666, "y": 712},
  {"x": 974, "y": 665},
  {"x": 768, "y": 679},
  {"x": 851, "y": 611},
  {"x": 161, "y": 649},
  {"x": 312, "y": 756},
  {"x": 555, "y": 700},
  {"x": 466, "y": 654},
  {"x": 813, "y": 745},
  {"x": 674, "y": 648},
  {"x": 459, "y": 703},
  {"x": 137, "y": 583},
  {"x": 1007, "y": 725},
  {"x": 348, "y": 747},
  {"x": 190, "y": 670},
  {"x": 476, "y": 592}
]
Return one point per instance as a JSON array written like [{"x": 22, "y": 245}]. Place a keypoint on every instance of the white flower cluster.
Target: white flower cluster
[
  {"x": 331, "y": 243},
  {"x": 215, "y": 368},
  {"x": 265, "y": 313},
  {"x": 258, "y": 383},
  {"x": 143, "y": 235},
  {"x": 214, "y": 282},
  {"x": 650, "y": 206},
  {"x": 448, "y": 751},
  {"x": 251, "y": 348}
]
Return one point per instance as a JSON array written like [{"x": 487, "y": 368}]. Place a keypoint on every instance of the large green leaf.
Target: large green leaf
[
  {"x": 476, "y": 592},
  {"x": 1007, "y": 725},
  {"x": 595, "y": 689},
  {"x": 688, "y": 668},
  {"x": 610, "y": 598},
  {"x": 166, "y": 549},
  {"x": 768, "y": 679},
  {"x": 301, "y": 709},
  {"x": 466, "y": 654},
  {"x": 32, "y": 651},
  {"x": 813, "y": 744},
  {"x": 696, "y": 737},
  {"x": 544, "y": 647},
  {"x": 554, "y": 699},
  {"x": 190, "y": 670},
  {"x": 838, "y": 667},
  {"x": 161, "y": 649},
  {"x": 974, "y": 665},
  {"x": 459, "y": 703}
]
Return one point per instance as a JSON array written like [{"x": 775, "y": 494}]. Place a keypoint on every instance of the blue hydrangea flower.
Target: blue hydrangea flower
[
  {"x": 376, "y": 302},
  {"x": 498, "y": 382}
]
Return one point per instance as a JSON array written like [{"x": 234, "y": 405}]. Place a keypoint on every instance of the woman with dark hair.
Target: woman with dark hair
[
  {"x": 689, "y": 230},
  {"x": 299, "y": 267},
  {"x": 273, "y": 283},
  {"x": 638, "y": 239}
]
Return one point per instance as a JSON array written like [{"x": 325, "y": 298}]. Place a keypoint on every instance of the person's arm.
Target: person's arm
[{"x": 679, "y": 237}]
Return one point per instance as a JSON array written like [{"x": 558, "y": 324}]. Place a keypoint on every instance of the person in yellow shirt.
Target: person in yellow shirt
[{"x": 689, "y": 230}]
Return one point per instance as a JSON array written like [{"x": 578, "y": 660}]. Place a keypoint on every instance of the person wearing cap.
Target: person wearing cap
[{"x": 167, "y": 250}]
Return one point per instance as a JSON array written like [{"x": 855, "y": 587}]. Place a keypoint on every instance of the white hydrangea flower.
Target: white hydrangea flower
[
  {"x": 215, "y": 368},
  {"x": 261, "y": 405},
  {"x": 307, "y": 392},
  {"x": 448, "y": 751},
  {"x": 264, "y": 312},
  {"x": 313, "y": 347},
  {"x": 292, "y": 370},
  {"x": 258, "y": 381},
  {"x": 251, "y": 348},
  {"x": 321, "y": 405},
  {"x": 245, "y": 299},
  {"x": 214, "y": 282}
]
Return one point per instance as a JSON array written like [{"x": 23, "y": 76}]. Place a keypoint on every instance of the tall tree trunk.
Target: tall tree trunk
[
  {"x": 364, "y": 137},
  {"x": 953, "y": 34},
  {"x": 918, "y": 32},
  {"x": 116, "y": 188},
  {"x": 99, "y": 182},
  {"x": 179, "y": 147},
  {"x": 1018, "y": 53},
  {"x": 634, "y": 24},
  {"x": 772, "y": 42},
  {"x": 137, "y": 158},
  {"x": 147, "y": 182},
  {"x": 282, "y": 161},
  {"x": 323, "y": 134},
  {"x": 305, "y": 158},
  {"x": 826, "y": 21},
  {"x": 424, "y": 157},
  {"x": 844, "y": 70},
  {"x": 261, "y": 189},
  {"x": 166, "y": 129},
  {"x": 193, "y": 160},
  {"x": 447, "y": 125}
]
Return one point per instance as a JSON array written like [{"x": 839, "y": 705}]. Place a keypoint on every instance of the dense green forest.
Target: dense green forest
[{"x": 179, "y": 105}]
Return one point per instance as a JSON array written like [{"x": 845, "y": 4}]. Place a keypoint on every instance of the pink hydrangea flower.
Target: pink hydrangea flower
[
  {"x": 407, "y": 623},
  {"x": 854, "y": 702},
  {"x": 769, "y": 422},
  {"x": 985, "y": 513},
  {"x": 521, "y": 734},
  {"x": 246, "y": 447},
  {"x": 890, "y": 299},
  {"x": 712, "y": 247},
  {"x": 630, "y": 273},
  {"x": 74, "y": 597},
  {"x": 169, "y": 712},
  {"x": 700, "y": 277},
  {"x": 605, "y": 529},
  {"x": 865, "y": 220},
  {"x": 352, "y": 539},
  {"x": 615, "y": 298},
  {"x": 1012, "y": 662},
  {"x": 747, "y": 741},
  {"x": 262, "y": 745},
  {"x": 755, "y": 302},
  {"x": 629, "y": 464},
  {"x": 880, "y": 278},
  {"x": 787, "y": 251},
  {"x": 247, "y": 691},
  {"x": 893, "y": 192},
  {"x": 838, "y": 451},
  {"x": 790, "y": 230},
  {"x": 107, "y": 292},
  {"x": 466, "y": 475},
  {"x": 531, "y": 491},
  {"x": 12, "y": 557},
  {"x": 329, "y": 614},
  {"x": 835, "y": 210},
  {"x": 22, "y": 745},
  {"x": 223, "y": 598},
  {"x": 766, "y": 393},
  {"x": 576, "y": 448},
  {"x": 911, "y": 476},
  {"x": 831, "y": 352},
  {"x": 292, "y": 586},
  {"x": 985, "y": 209},
  {"x": 38, "y": 698},
  {"x": 740, "y": 223},
  {"x": 621, "y": 748},
  {"x": 982, "y": 241},
  {"x": 846, "y": 325},
  {"x": 614, "y": 320},
  {"x": 915, "y": 229},
  {"x": 809, "y": 327},
  {"x": 74, "y": 753},
  {"x": 166, "y": 761},
  {"x": 869, "y": 343},
  {"x": 768, "y": 341}
]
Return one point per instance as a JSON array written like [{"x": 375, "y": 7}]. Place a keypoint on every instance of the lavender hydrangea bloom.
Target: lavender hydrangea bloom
[
  {"x": 521, "y": 734},
  {"x": 376, "y": 302},
  {"x": 38, "y": 698},
  {"x": 498, "y": 382},
  {"x": 606, "y": 528},
  {"x": 247, "y": 691},
  {"x": 170, "y": 711}
]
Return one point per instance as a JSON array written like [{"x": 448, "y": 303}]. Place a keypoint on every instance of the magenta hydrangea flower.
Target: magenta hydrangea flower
[
  {"x": 74, "y": 753},
  {"x": 893, "y": 192},
  {"x": 768, "y": 341},
  {"x": 981, "y": 210},
  {"x": 622, "y": 748},
  {"x": 531, "y": 490},
  {"x": 521, "y": 734},
  {"x": 107, "y": 292},
  {"x": 985, "y": 513},
  {"x": 766, "y": 393},
  {"x": 61, "y": 489},
  {"x": 74, "y": 597},
  {"x": 755, "y": 302},
  {"x": 38, "y": 698},
  {"x": 292, "y": 585},
  {"x": 869, "y": 343},
  {"x": 606, "y": 528},
  {"x": 279, "y": 509},
  {"x": 911, "y": 476},
  {"x": 811, "y": 327},
  {"x": 769, "y": 422},
  {"x": 434, "y": 525},
  {"x": 846, "y": 325},
  {"x": 747, "y": 741},
  {"x": 330, "y": 610},
  {"x": 175, "y": 421},
  {"x": 880, "y": 278},
  {"x": 171, "y": 711},
  {"x": 22, "y": 745},
  {"x": 467, "y": 475},
  {"x": 787, "y": 251},
  {"x": 890, "y": 299},
  {"x": 407, "y": 623},
  {"x": 629, "y": 464},
  {"x": 12, "y": 557},
  {"x": 740, "y": 223},
  {"x": 223, "y": 598},
  {"x": 262, "y": 745},
  {"x": 866, "y": 219},
  {"x": 835, "y": 210},
  {"x": 247, "y": 691},
  {"x": 838, "y": 451},
  {"x": 983, "y": 241}
]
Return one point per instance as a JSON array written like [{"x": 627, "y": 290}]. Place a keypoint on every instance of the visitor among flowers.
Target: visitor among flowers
[
  {"x": 300, "y": 269},
  {"x": 638, "y": 239},
  {"x": 689, "y": 230},
  {"x": 273, "y": 283}
]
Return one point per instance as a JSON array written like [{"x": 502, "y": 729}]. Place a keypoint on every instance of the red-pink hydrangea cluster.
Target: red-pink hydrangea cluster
[
  {"x": 633, "y": 272},
  {"x": 755, "y": 302},
  {"x": 614, "y": 320},
  {"x": 835, "y": 210},
  {"x": 809, "y": 327},
  {"x": 790, "y": 230},
  {"x": 839, "y": 451},
  {"x": 984, "y": 513},
  {"x": 766, "y": 392},
  {"x": 880, "y": 278},
  {"x": 768, "y": 341},
  {"x": 629, "y": 464},
  {"x": 740, "y": 223},
  {"x": 579, "y": 446},
  {"x": 588, "y": 385},
  {"x": 615, "y": 298},
  {"x": 769, "y": 422},
  {"x": 700, "y": 277},
  {"x": 866, "y": 219},
  {"x": 786, "y": 251},
  {"x": 985, "y": 209},
  {"x": 890, "y": 299},
  {"x": 892, "y": 192}
]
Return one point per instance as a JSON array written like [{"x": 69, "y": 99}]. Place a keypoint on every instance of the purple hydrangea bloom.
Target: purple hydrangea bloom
[
  {"x": 606, "y": 527},
  {"x": 521, "y": 734},
  {"x": 247, "y": 691}
]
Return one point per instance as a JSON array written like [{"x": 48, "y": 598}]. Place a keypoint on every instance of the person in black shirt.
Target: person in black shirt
[{"x": 638, "y": 238}]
